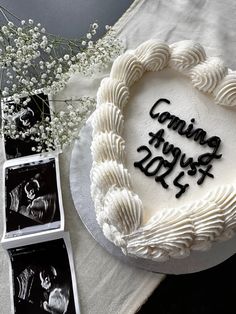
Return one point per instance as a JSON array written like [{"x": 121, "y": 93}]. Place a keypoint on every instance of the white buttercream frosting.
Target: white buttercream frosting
[
  {"x": 174, "y": 231},
  {"x": 153, "y": 55},
  {"x": 225, "y": 93},
  {"x": 113, "y": 91},
  {"x": 108, "y": 146},
  {"x": 112, "y": 234},
  {"x": 208, "y": 74},
  {"x": 169, "y": 232},
  {"x": 108, "y": 118},
  {"x": 124, "y": 209},
  {"x": 185, "y": 55},
  {"x": 108, "y": 174},
  {"x": 225, "y": 198},
  {"x": 127, "y": 69}
]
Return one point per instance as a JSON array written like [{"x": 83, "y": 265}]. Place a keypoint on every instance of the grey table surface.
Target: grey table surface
[{"x": 69, "y": 18}]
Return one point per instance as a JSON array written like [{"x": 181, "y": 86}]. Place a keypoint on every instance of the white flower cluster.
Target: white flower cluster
[
  {"x": 53, "y": 132},
  {"x": 98, "y": 56},
  {"x": 64, "y": 126},
  {"x": 32, "y": 60}
]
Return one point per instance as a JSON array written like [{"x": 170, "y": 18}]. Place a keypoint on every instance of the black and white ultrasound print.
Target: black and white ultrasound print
[
  {"x": 25, "y": 117},
  {"x": 32, "y": 197},
  {"x": 44, "y": 279}
]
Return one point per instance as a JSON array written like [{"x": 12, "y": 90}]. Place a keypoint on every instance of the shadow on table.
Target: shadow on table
[{"x": 208, "y": 292}]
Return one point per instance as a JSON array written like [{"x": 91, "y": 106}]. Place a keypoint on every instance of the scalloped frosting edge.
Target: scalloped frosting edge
[{"x": 176, "y": 231}]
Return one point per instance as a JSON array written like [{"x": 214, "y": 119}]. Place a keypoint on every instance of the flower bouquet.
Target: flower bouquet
[{"x": 34, "y": 65}]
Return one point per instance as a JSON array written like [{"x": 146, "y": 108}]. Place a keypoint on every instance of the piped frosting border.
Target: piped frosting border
[{"x": 176, "y": 231}]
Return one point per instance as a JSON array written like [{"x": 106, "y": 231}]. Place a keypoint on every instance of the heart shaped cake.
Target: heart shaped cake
[{"x": 163, "y": 151}]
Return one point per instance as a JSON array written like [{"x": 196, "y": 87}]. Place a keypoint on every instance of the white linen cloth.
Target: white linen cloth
[{"x": 106, "y": 285}]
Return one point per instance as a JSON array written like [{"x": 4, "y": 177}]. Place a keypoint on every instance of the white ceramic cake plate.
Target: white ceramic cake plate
[{"x": 80, "y": 166}]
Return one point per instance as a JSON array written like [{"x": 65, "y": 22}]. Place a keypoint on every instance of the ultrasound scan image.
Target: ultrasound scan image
[
  {"x": 25, "y": 117},
  {"x": 31, "y": 195},
  {"x": 42, "y": 280}
]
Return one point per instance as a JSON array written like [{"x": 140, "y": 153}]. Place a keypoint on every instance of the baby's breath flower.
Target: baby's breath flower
[
  {"x": 89, "y": 36},
  {"x": 4, "y": 29},
  {"x": 34, "y": 60},
  {"x": 4, "y": 93},
  {"x": 95, "y": 25},
  {"x": 66, "y": 57},
  {"x": 90, "y": 44},
  {"x": 48, "y": 50}
]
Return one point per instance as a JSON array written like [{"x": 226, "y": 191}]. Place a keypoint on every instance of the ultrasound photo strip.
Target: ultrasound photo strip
[
  {"x": 21, "y": 119},
  {"x": 43, "y": 278},
  {"x": 33, "y": 200}
]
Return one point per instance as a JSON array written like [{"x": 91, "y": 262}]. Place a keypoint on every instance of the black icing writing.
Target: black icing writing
[
  {"x": 193, "y": 168},
  {"x": 205, "y": 173},
  {"x": 182, "y": 187},
  {"x": 184, "y": 161},
  {"x": 154, "y": 166},
  {"x": 167, "y": 148},
  {"x": 160, "y": 168},
  {"x": 158, "y": 138},
  {"x": 181, "y": 127}
]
